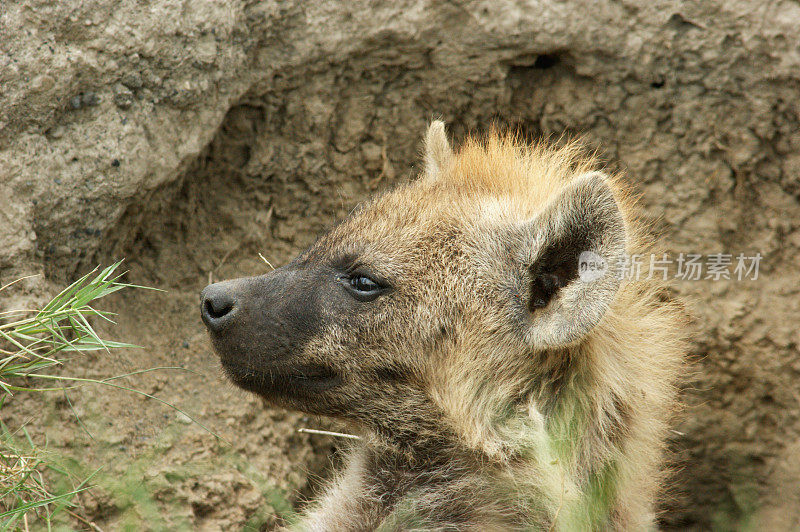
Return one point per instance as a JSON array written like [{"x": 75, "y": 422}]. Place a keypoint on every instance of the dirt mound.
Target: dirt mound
[{"x": 188, "y": 139}]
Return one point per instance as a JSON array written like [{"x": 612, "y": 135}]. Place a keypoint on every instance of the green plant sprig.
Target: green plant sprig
[
  {"x": 32, "y": 344},
  {"x": 61, "y": 326}
]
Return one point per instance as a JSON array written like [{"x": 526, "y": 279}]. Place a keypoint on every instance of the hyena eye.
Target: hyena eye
[
  {"x": 362, "y": 283},
  {"x": 363, "y": 287}
]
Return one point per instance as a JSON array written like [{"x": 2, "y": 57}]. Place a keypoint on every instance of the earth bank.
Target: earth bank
[{"x": 189, "y": 137}]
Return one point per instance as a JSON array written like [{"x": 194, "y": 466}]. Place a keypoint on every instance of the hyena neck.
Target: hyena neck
[
  {"x": 412, "y": 433},
  {"x": 554, "y": 437},
  {"x": 425, "y": 489},
  {"x": 382, "y": 489},
  {"x": 567, "y": 440}
]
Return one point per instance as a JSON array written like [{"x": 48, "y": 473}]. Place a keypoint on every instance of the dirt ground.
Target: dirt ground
[{"x": 205, "y": 135}]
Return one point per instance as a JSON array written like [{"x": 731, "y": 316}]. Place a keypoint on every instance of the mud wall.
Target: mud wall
[{"x": 189, "y": 136}]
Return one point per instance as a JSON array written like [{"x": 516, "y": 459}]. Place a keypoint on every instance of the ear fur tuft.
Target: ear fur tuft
[{"x": 438, "y": 153}]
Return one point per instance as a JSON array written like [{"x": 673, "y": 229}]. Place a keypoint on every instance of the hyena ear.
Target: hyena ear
[
  {"x": 437, "y": 150},
  {"x": 572, "y": 254}
]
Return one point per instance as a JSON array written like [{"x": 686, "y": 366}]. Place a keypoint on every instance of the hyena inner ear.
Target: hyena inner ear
[
  {"x": 573, "y": 252},
  {"x": 437, "y": 150}
]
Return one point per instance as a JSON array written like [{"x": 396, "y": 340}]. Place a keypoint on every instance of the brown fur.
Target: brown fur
[{"x": 478, "y": 409}]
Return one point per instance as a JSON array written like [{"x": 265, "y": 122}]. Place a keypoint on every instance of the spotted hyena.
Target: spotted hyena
[{"x": 495, "y": 384}]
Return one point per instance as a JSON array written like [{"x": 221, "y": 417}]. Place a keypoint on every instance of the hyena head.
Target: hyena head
[{"x": 434, "y": 297}]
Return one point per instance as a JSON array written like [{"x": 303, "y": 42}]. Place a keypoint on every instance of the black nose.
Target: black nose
[{"x": 218, "y": 306}]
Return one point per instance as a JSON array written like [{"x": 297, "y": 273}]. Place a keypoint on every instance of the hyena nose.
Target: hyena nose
[{"x": 218, "y": 306}]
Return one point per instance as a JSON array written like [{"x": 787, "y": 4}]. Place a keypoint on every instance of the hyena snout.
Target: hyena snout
[
  {"x": 253, "y": 319},
  {"x": 219, "y": 306},
  {"x": 261, "y": 328}
]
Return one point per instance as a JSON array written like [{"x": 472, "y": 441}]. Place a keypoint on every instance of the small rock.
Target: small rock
[
  {"x": 185, "y": 344},
  {"x": 75, "y": 102},
  {"x": 133, "y": 80},
  {"x": 150, "y": 79},
  {"x": 55, "y": 132},
  {"x": 42, "y": 83},
  {"x": 285, "y": 232},
  {"x": 90, "y": 99},
  {"x": 372, "y": 155},
  {"x": 123, "y": 96},
  {"x": 115, "y": 163},
  {"x": 183, "y": 418}
]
